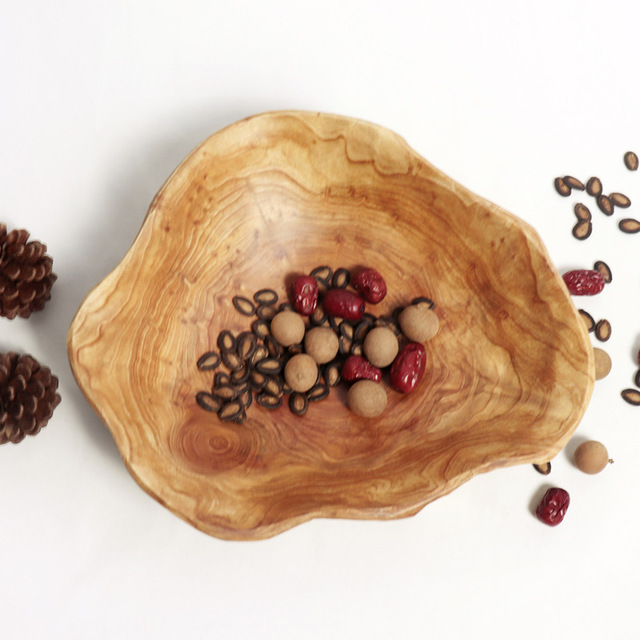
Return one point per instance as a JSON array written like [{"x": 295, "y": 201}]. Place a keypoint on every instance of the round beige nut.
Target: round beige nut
[
  {"x": 602, "y": 363},
  {"x": 322, "y": 344},
  {"x": 367, "y": 398},
  {"x": 381, "y": 347},
  {"x": 591, "y": 457},
  {"x": 301, "y": 372},
  {"x": 287, "y": 327},
  {"x": 418, "y": 322}
]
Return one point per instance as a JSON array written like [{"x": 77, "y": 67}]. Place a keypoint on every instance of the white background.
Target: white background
[{"x": 100, "y": 100}]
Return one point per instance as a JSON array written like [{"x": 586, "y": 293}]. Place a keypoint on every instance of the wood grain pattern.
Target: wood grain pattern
[{"x": 508, "y": 378}]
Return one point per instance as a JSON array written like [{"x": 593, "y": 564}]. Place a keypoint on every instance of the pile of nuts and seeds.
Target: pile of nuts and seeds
[{"x": 298, "y": 349}]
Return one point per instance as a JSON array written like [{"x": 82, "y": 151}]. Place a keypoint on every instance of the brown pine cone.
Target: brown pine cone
[
  {"x": 25, "y": 274},
  {"x": 27, "y": 396}
]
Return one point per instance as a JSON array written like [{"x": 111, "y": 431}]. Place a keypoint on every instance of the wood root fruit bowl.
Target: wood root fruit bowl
[{"x": 508, "y": 375}]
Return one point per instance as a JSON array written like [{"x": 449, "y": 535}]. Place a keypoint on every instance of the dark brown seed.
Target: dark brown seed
[
  {"x": 232, "y": 360},
  {"x": 605, "y": 205},
  {"x": 222, "y": 377},
  {"x": 335, "y": 322},
  {"x": 261, "y": 328},
  {"x": 273, "y": 386},
  {"x": 295, "y": 349},
  {"x": 357, "y": 348},
  {"x": 344, "y": 344},
  {"x": 225, "y": 392},
  {"x": 582, "y": 212},
  {"x": 259, "y": 353},
  {"x": 209, "y": 361},
  {"x": 604, "y": 269},
  {"x": 629, "y": 225},
  {"x": 424, "y": 300},
  {"x": 594, "y": 187},
  {"x": 266, "y": 296},
  {"x": 244, "y": 305},
  {"x": 632, "y": 396},
  {"x": 573, "y": 183},
  {"x": 298, "y": 403},
  {"x": 226, "y": 341},
  {"x": 208, "y": 401},
  {"x": 603, "y": 330},
  {"x": 318, "y": 317},
  {"x": 268, "y": 401},
  {"x": 346, "y": 329},
  {"x": 318, "y": 392},
  {"x": 286, "y": 306},
  {"x": 544, "y": 468},
  {"x": 361, "y": 330},
  {"x": 232, "y": 411},
  {"x": 588, "y": 320},
  {"x": 286, "y": 389},
  {"x": 331, "y": 374},
  {"x": 246, "y": 397},
  {"x": 562, "y": 187},
  {"x": 386, "y": 321},
  {"x": 269, "y": 366},
  {"x": 247, "y": 343},
  {"x": 240, "y": 376},
  {"x": 582, "y": 230},
  {"x": 266, "y": 312},
  {"x": 257, "y": 380},
  {"x": 324, "y": 274},
  {"x": 631, "y": 161},
  {"x": 620, "y": 200},
  {"x": 636, "y": 379},
  {"x": 341, "y": 278},
  {"x": 274, "y": 348}
]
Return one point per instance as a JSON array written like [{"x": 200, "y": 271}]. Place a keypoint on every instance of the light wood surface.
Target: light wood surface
[{"x": 509, "y": 374}]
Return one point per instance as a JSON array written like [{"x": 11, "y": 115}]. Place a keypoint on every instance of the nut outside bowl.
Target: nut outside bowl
[{"x": 509, "y": 374}]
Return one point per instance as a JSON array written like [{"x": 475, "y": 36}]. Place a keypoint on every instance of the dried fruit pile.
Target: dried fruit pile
[{"x": 323, "y": 335}]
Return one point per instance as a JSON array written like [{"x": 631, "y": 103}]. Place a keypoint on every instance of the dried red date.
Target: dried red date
[
  {"x": 553, "y": 506},
  {"x": 304, "y": 294},
  {"x": 359, "y": 368},
  {"x": 370, "y": 285},
  {"x": 584, "y": 282},
  {"x": 341, "y": 303},
  {"x": 408, "y": 367}
]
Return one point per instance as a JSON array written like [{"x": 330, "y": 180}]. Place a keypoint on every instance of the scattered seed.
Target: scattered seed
[
  {"x": 239, "y": 376},
  {"x": 602, "y": 363},
  {"x": 268, "y": 401},
  {"x": 331, "y": 374},
  {"x": 341, "y": 279},
  {"x": 605, "y": 205},
  {"x": 544, "y": 468},
  {"x": 209, "y": 361},
  {"x": 335, "y": 322},
  {"x": 582, "y": 230},
  {"x": 294, "y": 349},
  {"x": 286, "y": 306},
  {"x": 594, "y": 187},
  {"x": 344, "y": 344},
  {"x": 298, "y": 403},
  {"x": 582, "y": 211},
  {"x": 324, "y": 274},
  {"x": 260, "y": 353},
  {"x": 632, "y": 396},
  {"x": 269, "y": 366},
  {"x": 274, "y": 348},
  {"x": 221, "y": 378},
  {"x": 232, "y": 411},
  {"x": 604, "y": 269},
  {"x": 266, "y": 312},
  {"x": 232, "y": 360},
  {"x": 247, "y": 343},
  {"x": 562, "y": 187},
  {"x": 265, "y": 297},
  {"x": 257, "y": 380},
  {"x": 246, "y": 397},
  {"x": 357, "y": 348},
  {"x": 208, "y": 401},
  {"x": 603, "y": 330},
  {"x": 620, "y": 200},
  {"x": 424, "y": 300},
  {"x": 573, "y": 183},
  {"x": 629, "y": 225},
  {"x": 225, "y": 392},
  {"x": 226, "y": 341},
  {"x": 261, "y": 328},
  {"x": 588, "y": 320},
  {"x": 318, "y": 392},
  {"x": 347, "y": 330},
  {"x": 273, "y": 386},
  {"x": 631, "y": 161},
  {"x": 361, "y": 331},
  {"x": 244, "y": 305}
]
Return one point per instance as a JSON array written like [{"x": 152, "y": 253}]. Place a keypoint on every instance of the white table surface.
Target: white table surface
[{"x": 99, "y": 101}]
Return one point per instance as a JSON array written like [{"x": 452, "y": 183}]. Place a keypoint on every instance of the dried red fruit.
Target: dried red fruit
[
  {"x": 408, "y": 367},
  {"x": 304, "y": 294},
  {"x": 341, "y": 303},
  {"x": 584, "y": 282},
  {"x": 370, "y": 285},
  {"x": 359, "y": 368},
  {"x": 553, "y": 506}
]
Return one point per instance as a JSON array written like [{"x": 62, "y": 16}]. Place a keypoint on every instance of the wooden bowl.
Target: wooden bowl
[{"x": 509, "y": 374}]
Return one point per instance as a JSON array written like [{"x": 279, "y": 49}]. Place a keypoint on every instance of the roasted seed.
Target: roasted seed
[
  {"x": 582, "y": 211},
  {"x": 286, "y": 306},
  {"x": 232, "y": 360},
  {"x": 225, "y": 392},
  {"x": 318, "y": 392},
  {"x": 605, "y": 205},
  {"x": 357, "y": 348},
  {"x": 620, "y": 200},
  {"x": 323, "y": 274},
  {"x": 257, "y": 380},
  {"x": 247, "y": 343},
  {"x": 361, "y": 331},
  {"x": 269, "y": 366},
  {"x": 544, "y": 468},
  {"x": 582, "y": 230},
  {"x": 629, "y": 225},
  {"x": 266, "y": 297},
  {"x": 222, "y": 377},
  {"x": 386, "y": 321},
  {"x": 588, "y": 320},
  {"x": 604, "y": 269},
  {"x": 273, "y": 385},
  {"x": 208, "y": 401},
  {"x": 318, "y": 317},
  {"x": 562, "y": 187},
  {"x": 209, "y": 361},
  {"x": 631, "y": 161},
  {"x": 341, "y": 278},
  {"x": 259, "y": 353},
  {"x": 244, "y": 305},
  {"x": 298, "y": 403},
  {"x": 573, "y": 183},
  {"x": 424, "y": 300},
  {"x": 261, "y": 328},
  {"x": 344, "y": 344},
  {"x": 295, "y": 349},
  {"x": 274, "y": 348},
  {"x": 268, "y": 401},
  {"x": 603, "y": 330},
  {"x": 335, "y": 322},
  {"x": 636, "y": 379},
  {"x": 232, "y": 411},
  {"x": 331, "y": 374},
  {"x": 632, "y": 396},
  {"x": 239, "y": 376},
  {"x": 346, "y": 329},
  {"x": 246, "y": 397},
  {"x": 266, "y": 312},
  {"x": 594, "y": 187},
  {"x": 226, "y": 341}
]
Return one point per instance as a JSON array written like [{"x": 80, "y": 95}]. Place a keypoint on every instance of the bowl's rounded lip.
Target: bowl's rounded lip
[{"x": 532, "y": 237}]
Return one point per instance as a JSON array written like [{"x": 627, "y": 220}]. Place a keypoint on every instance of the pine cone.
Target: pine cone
[
  {"x": 25, "y": 274},
  {"x": 27, "y": 396}
]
